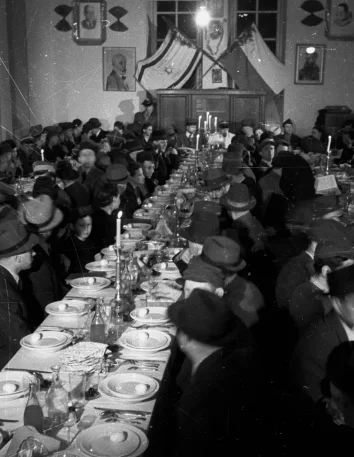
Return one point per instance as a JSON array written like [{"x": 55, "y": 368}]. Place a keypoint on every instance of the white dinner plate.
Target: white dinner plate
[
  {"x": 136, "y": 227},
  {"x": 73, "y": 308},
  {"x": 110, "y": 251},
  {"x": 96, "y": 441},
  {"x": 84, "y": 284},
  {"x": 156, "y": 341},
  {"x": 171, "y": 268},
  {"x": 50, "y": 341},
  {"x": 123, "y": 385},
  {"x": 20, "y": 379},
  {"x": 98, "y": 266},
  {"x": 155, "y": 315}
]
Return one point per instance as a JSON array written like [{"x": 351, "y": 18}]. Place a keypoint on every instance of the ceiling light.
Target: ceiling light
[{"x": 202, "y": 17}]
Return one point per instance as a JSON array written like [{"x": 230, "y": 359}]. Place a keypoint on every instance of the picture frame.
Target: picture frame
[
  {"x": 309, "y": 64},
  {"x": 118, "y": 66},
  {"x": 339, "y": 23},
  {"x": 89, "y": 22}
]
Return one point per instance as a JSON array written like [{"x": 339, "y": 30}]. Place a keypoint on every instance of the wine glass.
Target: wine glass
[{"x": 31, "y": 447}]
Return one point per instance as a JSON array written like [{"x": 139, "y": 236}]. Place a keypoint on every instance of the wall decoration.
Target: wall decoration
[
  {"x": 312, "y": 20},
  {"x": 118, "y": 69},
  {"x": 312, "y": 6},
  {"x": 118, "y": 12},
  {"x": 64, "y": 11},
  {"x": 89, "y": 25},
  {"x": 216, "y": 75},
  {"x": 339, "y": 20},
  {"x": 309, "y": 67}
]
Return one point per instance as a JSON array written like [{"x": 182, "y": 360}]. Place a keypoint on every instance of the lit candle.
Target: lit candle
[
  {"x": 197, "y": 143},
  {"x": 210, "y": 116},
  {"x": 42, "y": 155},
  {"x": 207, "y": 116},
  {"x": 205, "y": 125},
  {"x": 329, "y": 143},
  {"x": 199, "y": 121},
  {"x": 216, "y": 123},
  {"x": 119, "y": 222}
]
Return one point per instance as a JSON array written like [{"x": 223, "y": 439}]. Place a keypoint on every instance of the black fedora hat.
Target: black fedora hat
[
  {"x": 15, "y": 239},
  {"x": 214, "y": 178},
  {"x": 65, "y": 171},
  {"x": 95, "y": 123},
  {"x": 204, "y": 272},
  {"x": 191, "y": 121},
  {"x": 147, "y": 102},
  {"x": 223, "y": 252},
  {"x": 238, "y": 199},
  {"x": 205, "y": 317},
  {"x": 117, "y": 173},
  {"x": 158, "y": 135},
  {"x": 203, "y": 224},
  {"x": 207, "y": 205}
]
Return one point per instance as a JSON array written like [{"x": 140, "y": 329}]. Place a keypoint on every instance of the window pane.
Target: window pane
[
  {"x": 268, "y": 5},
  {"x": 272, "y": 46},
  {"x": 186, "y": 24},
  {"x": 189, "y": 7},
  {"x": 246, "y": 5},
  {"x": 166, "y": 6},
  {"x": 244, "y": 20},
  {"x": 267, "y": 25},
  {"x": 162, "y": 27}
]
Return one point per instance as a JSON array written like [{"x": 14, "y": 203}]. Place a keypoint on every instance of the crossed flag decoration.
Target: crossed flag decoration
[{"x": 64, "y": 26}]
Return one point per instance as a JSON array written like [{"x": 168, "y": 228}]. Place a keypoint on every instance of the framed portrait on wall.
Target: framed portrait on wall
[
  {"x": 118, "y": 69},
  {"x": 309, "y": 65},
  {"x": 89, "y": 23},
  {"x": 340, "y": 20}
]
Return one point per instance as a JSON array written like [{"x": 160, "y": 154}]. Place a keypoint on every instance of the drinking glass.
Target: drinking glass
[{"x": 77, "y": 383}]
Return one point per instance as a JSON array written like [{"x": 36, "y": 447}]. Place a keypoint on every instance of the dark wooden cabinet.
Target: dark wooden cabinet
[
  {"x": 335, "y": 121},
  {"x": 175, "y": 106}
]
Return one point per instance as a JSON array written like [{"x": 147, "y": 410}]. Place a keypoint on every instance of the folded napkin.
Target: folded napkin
[
  {"x": 139, "y": 355},
  {"x": 21, "y": 434}
]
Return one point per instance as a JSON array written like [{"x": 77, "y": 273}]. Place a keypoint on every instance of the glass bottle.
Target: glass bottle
[
  {"x": 33, "y": 414},
  {"x": 133, "y": 270},
  {"x": 98, "y": 328},
  {"x": 121, "y": 303},
  {"x": 57, "y": 399}
]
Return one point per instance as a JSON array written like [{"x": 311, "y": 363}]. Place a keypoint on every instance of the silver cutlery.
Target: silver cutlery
[
  {"x": 123, "y": 411},
  {"x": 141, "y": 368}
]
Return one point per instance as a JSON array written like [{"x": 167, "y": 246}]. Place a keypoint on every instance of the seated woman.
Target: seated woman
[
  {"x": 78, "y": 247},
  {"x": 146, "y": 133},
  {"x": 133, "y": 197},
  {"x": 106, "y": 201},
  {"x": 314, "y": 142}
]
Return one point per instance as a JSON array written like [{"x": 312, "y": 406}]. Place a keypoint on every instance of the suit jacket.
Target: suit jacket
[
  {"x": 101, "y": 135},
  {"x": 295, "y": 141},
  {"x": 182, "y": 141},
  {"x": 92, "y": 179},
  {"x": 296, "y": 271},
  {"x": 218, "y": 404},
  {"x": 308, "y": 365},
  {"x": 131, "y": 200},
  {"x": 140, "y": 119},
  {"x": 15, "y": 322}
]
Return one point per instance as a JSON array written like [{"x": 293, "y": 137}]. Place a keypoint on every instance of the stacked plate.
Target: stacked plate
[
  {"x": 67, "y": 308},
  {"x": 150, "y": 315},
  {"x": 110, "y": 253},
  {"x": 136, "y": 228},
  {"x": 14, "y": 384},
  {"x": 48, "y": 341},
  {"x": 101, "y": 266},
  {"x": 167, "y": 269},
  {"x": 112, "y": 440},
  {"x": 90, "y": 283},
  {"x": 145, "y": 341},
  {"x": 129, "y": 387}
]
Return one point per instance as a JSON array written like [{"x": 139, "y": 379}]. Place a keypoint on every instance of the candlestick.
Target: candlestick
[
  {"x": 210, "y": 116},
  {"x": 197, "y": 143},
  {"x": 216, "y": 123},
  {"x": 329, "y": 143},
  {"x": 199, "y": 121},
  {"x": 205, "y": 126},
  {"x": 42, "y": 155},
  {"x": 207, "y": 116},
  {"x": 119, "y": 222}
]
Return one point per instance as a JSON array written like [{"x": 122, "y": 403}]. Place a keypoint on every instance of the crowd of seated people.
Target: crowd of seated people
[{"x": 265, "y": 316}]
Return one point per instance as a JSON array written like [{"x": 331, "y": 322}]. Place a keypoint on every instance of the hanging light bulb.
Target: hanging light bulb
[{"x": 202, "y": 17}]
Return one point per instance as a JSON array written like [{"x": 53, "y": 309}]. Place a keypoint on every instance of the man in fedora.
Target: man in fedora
[
  {"x": 42, "y": 282},
  {"x": 236, "y": 170},
  {"x": 188, "y": 139},
  {"x": 97, "y": 133},
  {"x": 267, "y": 153},
  {"x": 167, "y": 158},
  {"x": 19, "y": 317},
  {"x": 288, "y": 135},
  {"x": 238, "y": 202},
  {"x": 203, "y": 224},
  {"x": 222, "y": 379},
  {"x": 146, "y": 116},
  {"x": 117, "y": 174},
  {"x": 216, "y": 183}
]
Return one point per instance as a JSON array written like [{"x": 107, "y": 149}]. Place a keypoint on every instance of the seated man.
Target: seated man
[
  {"x": 288, "y": 135},
  {"x": 223, "y": 137},
  {"x": 223, "y": 376},
  {"x": 89, "y": 174},
  {"x": 148, "y": 115},
  {"x": 267, "y": 153},
  {"x": 307, "y": 370},
  {"x": 188, "y": 139},
  {"x": 18, "y": 317},
  {"x": 216, "y": 183},
  {"x": 147, "y": 162},
  {"x": 313, "y": 143},
  {"x": 237, "y": 171}
]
